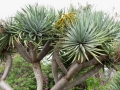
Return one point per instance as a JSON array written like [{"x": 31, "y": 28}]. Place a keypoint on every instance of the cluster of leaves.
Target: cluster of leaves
[
  {"x": 92, "y": 83},
  {"x": 84, "y": 31},
  {"x": 33, "y": 24},
  {"x": 89, "y": 34}
]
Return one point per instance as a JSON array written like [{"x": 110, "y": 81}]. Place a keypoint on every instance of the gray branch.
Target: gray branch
[
  {"x": 59, "y": 62},
  {"x": 5, "y": 86},
  {"x": 44, "y": 51},
  {"x": 83, "y": 77},
  {"x": 22, "y": 51},
  {"x": 8, "y": 66},
  {"x": 38, "y": 75},
  {"x": 55, "y": 69}
]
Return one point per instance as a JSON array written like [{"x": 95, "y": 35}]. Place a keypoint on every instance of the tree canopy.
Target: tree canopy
[{"x": 79, "y": 37}]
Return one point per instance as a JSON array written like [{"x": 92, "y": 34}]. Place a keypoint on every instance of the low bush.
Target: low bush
[{"x": 21, "y": 76}]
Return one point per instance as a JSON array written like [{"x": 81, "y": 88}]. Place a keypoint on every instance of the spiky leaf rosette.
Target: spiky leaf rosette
[
  {"x": 87, "y": 34},
  {"x": 7, "y": 36},
  {"x": 36, "y": 23}
]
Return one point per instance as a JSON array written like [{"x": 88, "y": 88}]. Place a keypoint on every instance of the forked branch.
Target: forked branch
[
  {"x": 22, "y": 51},
  {"x": 63, "y": 81},
  {"x": 59, "y": 62},
  {"x": 83, "y": 77},
  {"x": 94, "y": 61},
  {"x": 32, "y": 52},
  {"x": 44, "y": 51},
  {"x": 73, "y": 70}
]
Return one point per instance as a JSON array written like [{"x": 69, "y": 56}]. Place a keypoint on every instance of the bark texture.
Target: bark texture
[
  {"x": 74, "y": 69},
  {"x": 22, "y": 51},
  {"x": 83, "y": 77},
  {"x": 38, "y": 75},
  {"x": 60, "y": 84},
  {"x": 44, "y": 51},
  {"x": 5, "y": 86},
  {"x": 63, "y": 81},
  {"x": 8, "y": 66},
  {"x": 54, "y": 69},
  {"x": 59, "y": 62}
]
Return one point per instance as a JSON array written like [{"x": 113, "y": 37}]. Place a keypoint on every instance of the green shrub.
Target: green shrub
[
  {"x": 21, "y": 76},
  {"x": 92, "y": 82}
]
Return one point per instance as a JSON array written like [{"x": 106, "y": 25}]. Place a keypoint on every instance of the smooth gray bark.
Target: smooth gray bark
[
  {"x": 59, "y": 62},
  {"x": 22, "y": 51},
  {"x": 54, "y": 69},
  {"x": 38, "y": 75},
  {"x": 8, "y": 66},
  {"x": 73, "y": 70},
  {"x": 44, "y": 51},
  {"x": 63, "y": 81},
  {"x": 83, "y": 77},
  {"x": 5, "y": 86}
]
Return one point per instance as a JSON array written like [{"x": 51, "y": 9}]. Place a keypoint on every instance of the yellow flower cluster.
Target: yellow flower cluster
[{"x": 61, "y": 23}]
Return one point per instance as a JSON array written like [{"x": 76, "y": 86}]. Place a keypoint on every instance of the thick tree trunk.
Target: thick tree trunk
[
  {"x": 4, "y": 85},
  {"x": 60, "y": 84},
  {"x": 83, "y": 77},
  {"x": 73, "y": 70},
  {"x": 63, "y": 81},
  {"x": 38, "y": 75}
]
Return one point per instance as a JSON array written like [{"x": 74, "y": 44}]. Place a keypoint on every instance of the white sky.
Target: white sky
[{"x": 9, "y": 7}]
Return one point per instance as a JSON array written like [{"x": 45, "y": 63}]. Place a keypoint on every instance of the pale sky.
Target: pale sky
[{"x": 9, "y": 7}]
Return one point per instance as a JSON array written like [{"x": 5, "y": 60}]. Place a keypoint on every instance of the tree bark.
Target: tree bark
[
  {"x": 94, "y": 61},
  {"x": 63, "y": 81},
  {"x": 74, "y": 69},
  {"x": 22, "y": 51},
  {"x": 59, "y": 62},
  {"x": 32, "y": 52},
  {"x": 60, "y": 76},
  {"x": 87, "y": 64},
  {"x": 44, "y": 51},
  {"x": 8, "y": 66},
  {"x": 5, "y": 86},
  {"x": 83, "y": 77},
  {"x": 60, "y": 84},
  {"x": 38, "y": 75},
  {"x": 54, "y": 69}
]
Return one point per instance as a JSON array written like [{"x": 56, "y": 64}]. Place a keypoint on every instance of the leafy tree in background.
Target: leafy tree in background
[{"x": 80, "y": 37}]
